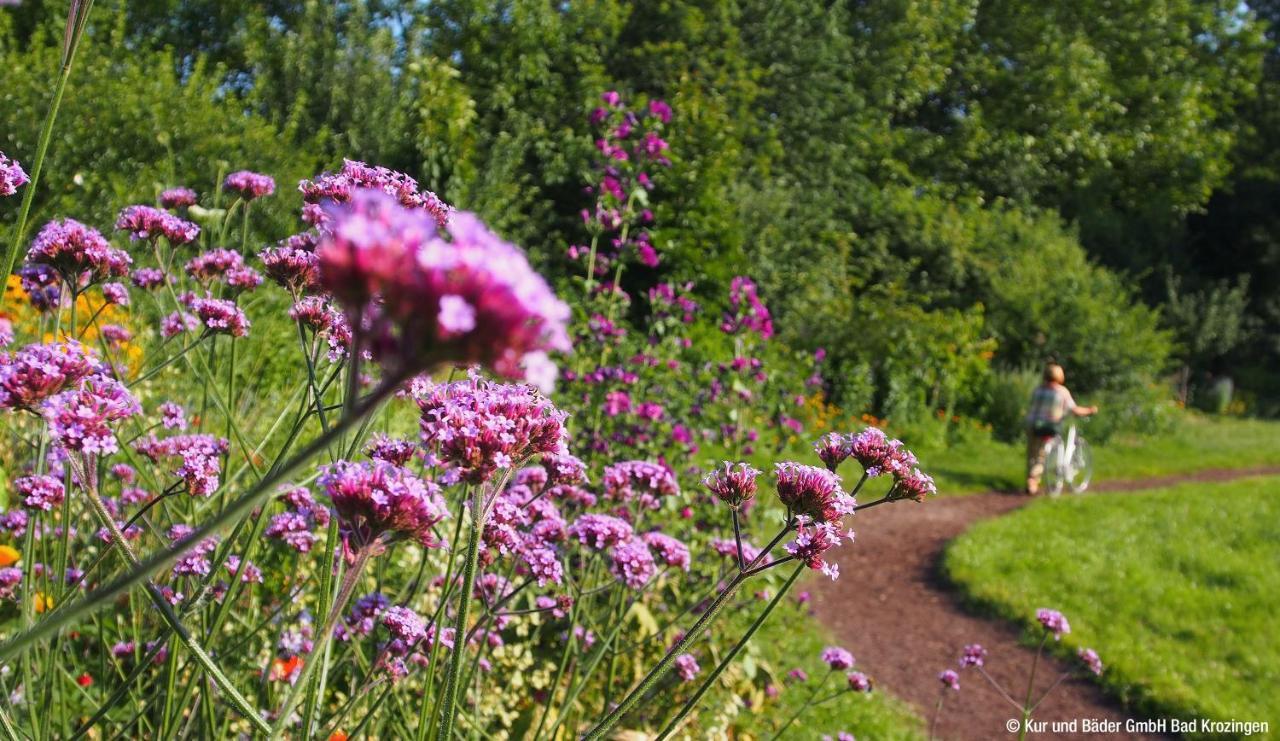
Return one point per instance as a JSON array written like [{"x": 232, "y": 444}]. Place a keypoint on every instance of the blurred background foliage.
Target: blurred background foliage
[{"x": 942, "y": 193}]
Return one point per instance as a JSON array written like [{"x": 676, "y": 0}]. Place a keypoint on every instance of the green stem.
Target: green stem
[
  {"x": 448, "y": 710},
  {"x": 692, "y": 702},
  {"x": 808, "y": 703},
  {"x": 1031, "y": 683},
  {"x": 75, "y": 28},
  {"x": 345, "y": 589},
  {"x": 664, "y": 665}
]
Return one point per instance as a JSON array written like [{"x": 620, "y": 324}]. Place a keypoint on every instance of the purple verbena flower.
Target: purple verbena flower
[
  {"x": 733, "y": 484},
  {"x": 12, "y": 176},
  {"x": 249, "y": 185},
  {"x": 1054, "y": 622},
  {"x": 77, "y": 252},
  {"x": 147, "y": 223},
  {"x": 43, "y": 493},
  {"x": 81, "y": 419},
  {"x": 837, "y": 658}
]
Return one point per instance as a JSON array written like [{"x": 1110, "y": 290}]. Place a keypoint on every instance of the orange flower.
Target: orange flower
[
  {"x": 338, "y": 736},
  {"x": 9, "y": 556},
  {"x": 84, "y": 680},
  {"x": 43, "y": 602},
  {"x": 284, "y": 668}
]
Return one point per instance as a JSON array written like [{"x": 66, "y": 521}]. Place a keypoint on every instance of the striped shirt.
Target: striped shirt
[{"x": 1050, "y": 403}]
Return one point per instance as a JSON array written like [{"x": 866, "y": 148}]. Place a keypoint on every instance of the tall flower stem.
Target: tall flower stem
[
  {"x": 448, "y": 709},
  {"x": 664, "y": 665},
  {"x": 77, "y": 17},
  {"x": 808, "y": 703},
  {"x": 1031, "y": 683},
  {"x": 937, "y": 711},
  {"x": 237, "y": 700},
  {"x": 345, "y": 589},
  {"x": 711, "y": 678}
]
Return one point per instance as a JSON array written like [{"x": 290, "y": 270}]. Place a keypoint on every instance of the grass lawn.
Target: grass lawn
[
  {"x": 1176, "y": 588},
  {"x": 1197, "y": 443}
]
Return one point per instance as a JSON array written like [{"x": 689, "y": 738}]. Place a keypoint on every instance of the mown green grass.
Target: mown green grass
[
  {"x": 1175, "y": 588},
  {"x": 1196, "y": 443}
]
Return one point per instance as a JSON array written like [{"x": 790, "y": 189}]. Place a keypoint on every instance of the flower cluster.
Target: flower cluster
[
  {"x": 378, "y": 498},
  {"x": 470, "y": 299},
  {"x": 293, "y": 263},
  {"x": 1054, "y": 622},
  {"x": 200, "y": 455},
  {"x": 811, "y": 491},
  {"x": 12, "y": 176},
  {"x": 77, "y": 252},
  {"x": 746, "y": 310},
  {"x": 733, "y": 484},
  {"x": 645, "y": 483},
  {"x": 220, "y": 315},
  {"x": 338, "y": 188},
  {"x": 837, "y": 658},
  {"x": 296, "y": 526},
  {"x": 37, "y": 372},
  {"x": 81, "y": 419},
  {"x": 178, "y": 198},
  {"x": 43, "y": 493},
  {"x": 146, "y": 223},
  {"x": 249, "y": 185},
  {"x": 477, "y": 427}
]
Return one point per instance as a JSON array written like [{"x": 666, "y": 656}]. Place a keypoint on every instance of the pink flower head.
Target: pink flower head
[
  {"x": 147, "y": 278},
  {"x": 873, "y": 450},
  {"x": 81, "y": 419},
  {"x": 733, "y": 484},
  {"x": 173, "y": 416},
  {"x": 747, "y": 311},
  {"x": 633, "y": 564},
  {"x": 42, "y": 493},
  {"x": 147, "y": 223},
  {"x": 812, "y": 541},
  {"x": 1091, "y": 660},
  {"x": 295, "y": 526},
  {"x": 479, "y": 427},
  {"x": 837, "y": 658},
  {"x": 974, "y": 655},
  {"x": 37, "y": 372},
  {"x": 671, "y": 551},
  {"x": 563, "y": 469},
  {"x": 293, "y": 264},
  {"x": 687, "y": 667},
  {"x": 811, "y": 491},
  {"x": 200, "y": 456},
  {"x": 949, "y": 678},
  {"x": 1054, "y": 622},
  {"x": 611, "y": 98},
  {"x": 115, "y": 293},
  {"x": 832, "y": 449},
  {"x": 75, "y": 250},
  {"x": 405, "y": 624},
  {"x": 178, "y": 198},
  {"x": 390, "y": 449},
  {"x": 213, "y": 264},
  {"x": 660, "y": 110},
  {"x": 249, "y": 185},
  {"x": 240, "y": 280},
  {"x": 12, "y": 176},
  {"x": 339, "y": 188},
  {"x": 376, "y": 498},
  {"x": 221, "y": 316},
  {"x": 914, "y": 485},
  {"x": 600, "y": 531},
  {"x": 10, "y": 578},
  {"x": 470, "y": 299},
  {"x": 640, "y": 481},
  {"x": 858, "y": 682}
]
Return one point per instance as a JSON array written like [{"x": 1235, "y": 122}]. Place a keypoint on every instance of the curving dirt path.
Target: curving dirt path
[{"x": 892, "y": 609}]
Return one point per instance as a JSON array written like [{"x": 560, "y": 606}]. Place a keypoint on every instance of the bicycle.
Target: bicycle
[{"x": 1068, "y": 463}]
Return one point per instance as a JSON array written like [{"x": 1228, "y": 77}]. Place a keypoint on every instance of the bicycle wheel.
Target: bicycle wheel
[
  {"x": 1080, "y": 467},
  {"x": 1056, "y": 468}
]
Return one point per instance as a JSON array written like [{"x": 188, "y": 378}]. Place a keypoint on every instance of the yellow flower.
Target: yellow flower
[
  {"x": 9, "y": 555},
  {"x": 43, "y": 602}
]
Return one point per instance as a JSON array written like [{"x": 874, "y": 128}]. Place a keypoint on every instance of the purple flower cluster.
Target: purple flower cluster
[
  {"x": 812, "y": 491},
  {"x": 147, "y": 223},
  {"x": 1054, "y": 622},
  {"x": 470, "y": 299},
  {"x": 949, "y": 679},
  {"x": 249, "y": 185},
  {"x": 858, "y": 682},
  {"x": 640, "y": 481},
  {"x": 147, "y": 278},
  {"x": 746, "y": 310},
  {"x": 220, "y": 315},
  {"x": 687, "y": 667},
  {"x": 43, "y": 493},
  {"x": 837, "y": 658},
  {"x": 296, "y": 526},
  {"x": 12, "y": 176},
  {"x": 293, "y": 263},
  {"x": 527, "y": 526},
  {"x": 671, "y": 551},
  {"x": 37, "y": 372},
  {"x": 81, "y": 419},
  {"x": 477, "y": 427},
  {"x": 340, "y": 186},
  {"x": 974, "y": 655},
  {"x": 201, "y": 457},
  {"x": 633, "y": 563},
  {"x": 178, "y": 198},
  {"x": 373, "y": 499},
  {"x": 213, "y": 264},
  {"x": 1091, "y": 660},
  {"x": 600, "y": 531},
  {"x": 733, "y": 484},
  {"x": 76, "y": 251}
]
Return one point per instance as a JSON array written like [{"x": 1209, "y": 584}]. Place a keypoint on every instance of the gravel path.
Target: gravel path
[{"x": 892, "y": 609}]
